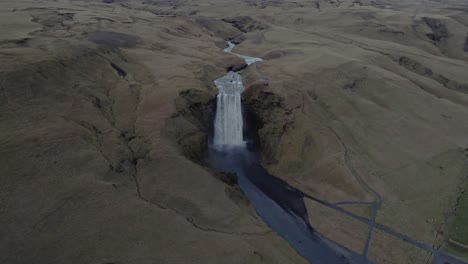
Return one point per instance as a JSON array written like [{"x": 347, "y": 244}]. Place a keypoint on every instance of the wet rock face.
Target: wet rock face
[
  {"x": 264, "y": 109},
  {"x": 237, "y": 67},
  {"x": 245, "y": 23},
  {"x": 191, "y": 126}
]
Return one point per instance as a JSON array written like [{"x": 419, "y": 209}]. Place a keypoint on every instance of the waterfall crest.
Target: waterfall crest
[{"x": 228, "y": 128}]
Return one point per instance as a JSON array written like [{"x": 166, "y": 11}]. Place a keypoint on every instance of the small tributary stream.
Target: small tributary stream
[{"x": 280, "y": 205}]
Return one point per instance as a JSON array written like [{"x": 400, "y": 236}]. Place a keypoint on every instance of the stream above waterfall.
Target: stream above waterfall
[
  {"x": 280, "y": 205},
  {"x": 248, "y": 60}
]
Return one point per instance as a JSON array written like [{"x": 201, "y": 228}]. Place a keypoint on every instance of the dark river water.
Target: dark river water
[{"x": 281, "y": 207}]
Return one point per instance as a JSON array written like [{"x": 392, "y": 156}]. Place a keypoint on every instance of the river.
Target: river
[{"x": 279, "y": 205}]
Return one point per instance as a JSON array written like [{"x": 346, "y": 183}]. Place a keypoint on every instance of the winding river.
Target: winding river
[{"x": 280, "y": 205}]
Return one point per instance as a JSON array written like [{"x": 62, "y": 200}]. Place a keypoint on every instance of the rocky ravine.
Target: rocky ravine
[{"x": 94, "y": 165}]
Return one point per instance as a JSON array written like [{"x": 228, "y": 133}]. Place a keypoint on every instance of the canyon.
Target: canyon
[{"x": 108, "y": 110}]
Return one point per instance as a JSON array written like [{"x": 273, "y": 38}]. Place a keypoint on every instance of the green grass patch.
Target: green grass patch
[
  {"x": 423, "y": 193},
  {"x": 460, "y": 253},
  {"x": 459, "y": 228}
]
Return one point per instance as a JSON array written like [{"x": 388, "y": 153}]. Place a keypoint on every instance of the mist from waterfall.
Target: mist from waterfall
[{"x": 228, "y": 127}]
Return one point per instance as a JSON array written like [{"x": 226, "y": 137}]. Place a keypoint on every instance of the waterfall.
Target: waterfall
[{"x": 228, "y": 128}]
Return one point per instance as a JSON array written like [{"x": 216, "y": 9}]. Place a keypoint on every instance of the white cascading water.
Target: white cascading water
[
  {"x": 228, "y": 128},
  {"x": 228, "y": 122}
]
